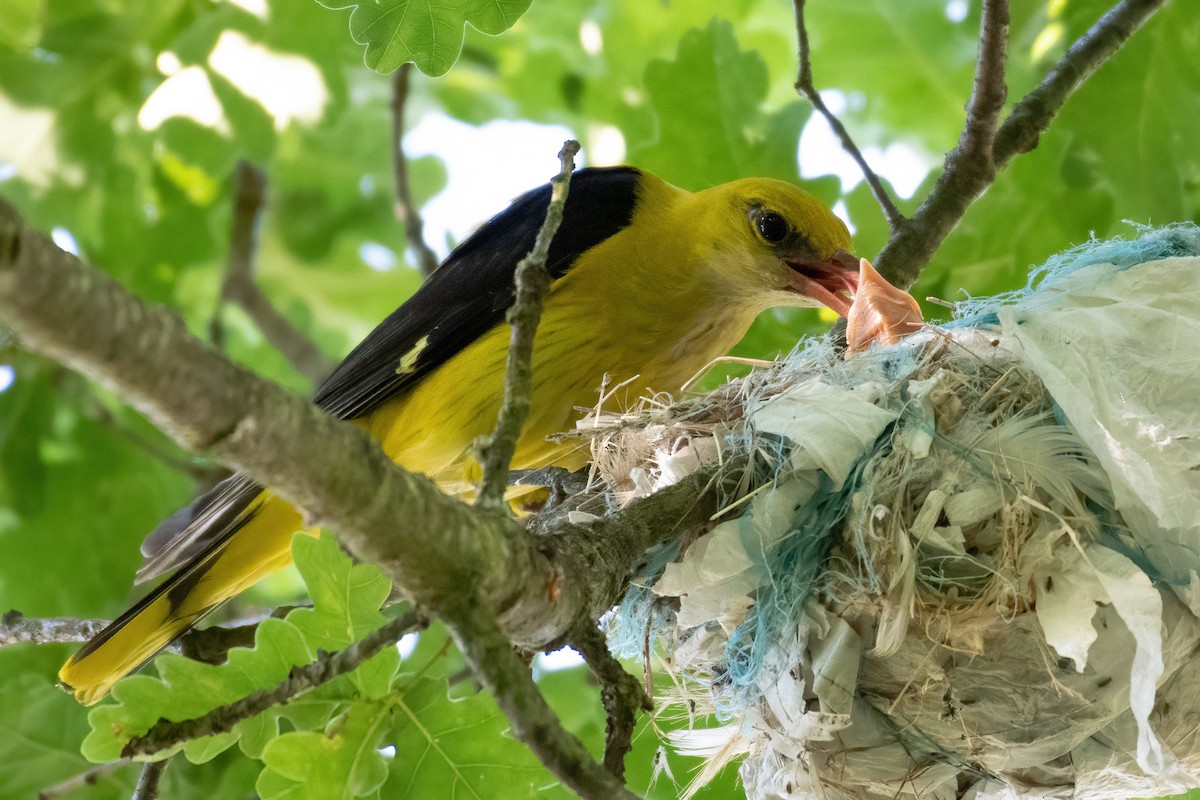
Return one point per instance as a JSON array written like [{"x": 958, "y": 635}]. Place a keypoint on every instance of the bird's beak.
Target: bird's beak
[
  {"x": 828, "y": 281},
  {"x": 880, "y": 313}
]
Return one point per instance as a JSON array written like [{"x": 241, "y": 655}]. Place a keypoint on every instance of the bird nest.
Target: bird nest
[{"x": 966, "y": 564}]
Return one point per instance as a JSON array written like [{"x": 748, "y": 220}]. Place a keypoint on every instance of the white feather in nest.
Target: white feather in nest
[{"x": 1009, "y": 602}]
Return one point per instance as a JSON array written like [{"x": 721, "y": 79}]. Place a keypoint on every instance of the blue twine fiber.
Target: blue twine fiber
[
  {"x": 796, "y": 565},
  {"x": 639, "y": 614},
  {"x": 1180, "y": 239}
]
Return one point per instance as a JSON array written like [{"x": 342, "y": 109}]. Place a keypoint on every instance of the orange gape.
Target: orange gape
[{"x": 880, "y": 312}]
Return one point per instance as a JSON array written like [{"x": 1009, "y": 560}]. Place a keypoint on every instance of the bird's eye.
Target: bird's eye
[{"x": 772, "y": 227}]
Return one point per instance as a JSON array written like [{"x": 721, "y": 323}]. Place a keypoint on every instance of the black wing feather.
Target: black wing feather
[
  {"x": 463, "y": 298},
  {"x": 473, "y": 288}
]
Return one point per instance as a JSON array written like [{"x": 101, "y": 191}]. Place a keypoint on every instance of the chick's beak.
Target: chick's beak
[{"x": 828, "y": 281}]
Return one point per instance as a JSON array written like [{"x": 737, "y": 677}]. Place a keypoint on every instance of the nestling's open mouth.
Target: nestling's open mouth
[{"x": 832, "y": 282}]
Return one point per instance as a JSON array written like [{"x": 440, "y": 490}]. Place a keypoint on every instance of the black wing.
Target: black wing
[
  {"x": 463, "y": 298},
  {"x": 473, "y": 288}
]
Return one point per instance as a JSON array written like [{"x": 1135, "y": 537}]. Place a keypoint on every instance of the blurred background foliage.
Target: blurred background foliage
[{"x": 121, "y": 122}]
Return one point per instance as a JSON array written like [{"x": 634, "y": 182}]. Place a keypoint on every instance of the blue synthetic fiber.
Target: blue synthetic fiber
[
  {"x": 1180, "y": 239},
  {"x": 796, "y": 565},
  {"x": 639, "y": 614}
]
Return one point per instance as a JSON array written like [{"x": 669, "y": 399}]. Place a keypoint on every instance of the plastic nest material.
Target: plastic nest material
[{"x": 969, "y": 567}]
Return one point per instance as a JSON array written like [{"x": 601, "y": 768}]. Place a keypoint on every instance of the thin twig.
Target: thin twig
[
  {"x": 804, "y": 85},
  {"x": 147, "y": 785},
  {"x": 621, "y": 693},
  {"x": 406, "y": 209},
  {"x": 86, "y": 778},
  {"x": 166, "y": 734},
  {"x": 989, "y": 90},
  {"x": 532, "y": 281},
  {"x": 1028, "y": 118},
  {"x": 240, "y": 287},
  {"x": 506, "y": 676},
  {"x": 210, "y": 645},
  {"x": 964, "y": 178},
  {"x": 16, "y": 628}
]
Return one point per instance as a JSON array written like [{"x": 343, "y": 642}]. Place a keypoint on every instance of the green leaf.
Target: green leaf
[
  {"x": 82, "y": 494},
  {"x": 427, "y": 33},
  {"x": 347, "y": 597},
  {"x": 711, "y": 126},
  {"x": 1138, "y": 116},
  {"x": 21, "y": 23},
  {"x": 27, "y": 704},
  {"x": 460, "y": 748},
  {"x": 339, "y": 763}
]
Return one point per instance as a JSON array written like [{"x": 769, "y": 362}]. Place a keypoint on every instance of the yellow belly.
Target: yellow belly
[{"x": 431, "y": 428}]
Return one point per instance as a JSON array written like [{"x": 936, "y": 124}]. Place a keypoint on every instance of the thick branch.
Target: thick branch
[
  {"x": 240, "y": 288},
  {"x": 532, "y": 283},
  {"x": 166, "y": 734},
  {"x": 429, "y": 544},
  {"x": 969, "y": 169},
  {"x": 804, "y": 85},
  {"x": 989, "y": 89},
  {"x": 406, "y": 209}
]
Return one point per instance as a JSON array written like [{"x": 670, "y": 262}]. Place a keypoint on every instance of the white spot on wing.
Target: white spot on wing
[{"x": 408, "y": 361}]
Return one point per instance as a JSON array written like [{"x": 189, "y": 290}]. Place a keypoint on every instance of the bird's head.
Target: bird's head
[{"x": 777, "y": 245}]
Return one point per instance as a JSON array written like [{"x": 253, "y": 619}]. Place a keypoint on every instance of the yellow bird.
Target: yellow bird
[{"x": 650, "y": 283}]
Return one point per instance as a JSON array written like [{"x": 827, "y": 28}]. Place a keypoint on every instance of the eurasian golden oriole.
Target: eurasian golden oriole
[{"x": 650, "y": 283}]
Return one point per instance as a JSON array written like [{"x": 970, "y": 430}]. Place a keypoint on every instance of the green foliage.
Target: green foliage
[
  {"x": 715, "y": 86},
  {"x": 426, "y": 33},
  {"x": 346, "y": 601},
  {"x": 698, "y": 93},
  {"x": 21, "y": 24}
]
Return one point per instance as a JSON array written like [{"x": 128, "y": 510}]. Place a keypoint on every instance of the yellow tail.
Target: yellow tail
[{"x": 256, "y": 543}]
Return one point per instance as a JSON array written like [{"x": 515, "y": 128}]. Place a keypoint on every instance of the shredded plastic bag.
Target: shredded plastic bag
[{"x": 974, "y": 559}]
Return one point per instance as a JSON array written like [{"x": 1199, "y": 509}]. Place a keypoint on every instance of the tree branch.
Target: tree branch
[
  {"x": 147, "y": 785},
  {"x": 505, "y": 675},
  {"x": 429, "y": 544},
  {"x": 240, "y": 287},
  {"x": 16, "y": 628},
  {"x": 166, "y": 734},
  {"x": 538, "y": 583},
  {"x": 621, "y": 693},
  {"x": 805, "y": 87},
  {"x": 532, "y": 283},
  {"x": 1028, "y": 118},
  {"x": 983, "y": 148},
  {"x": 406, "y": 209},
  {"x": 210, "y": 645}
]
